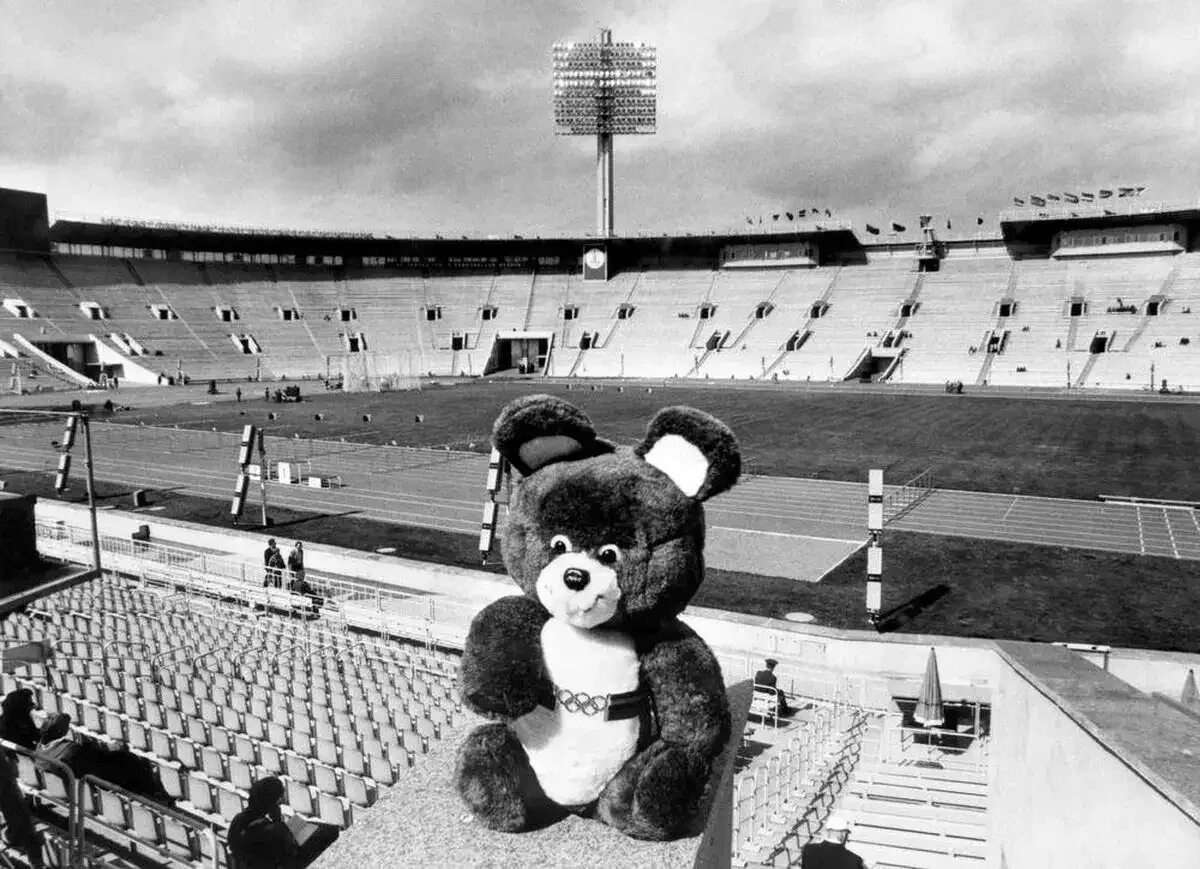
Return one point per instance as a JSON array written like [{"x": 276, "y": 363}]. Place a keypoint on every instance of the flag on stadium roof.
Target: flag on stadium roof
[
  {"x": 897, "y": 227},
  {"x": 947, "y": 224},
  {"x": 924, "y": 219},
  {"x": 1088, "y": 197},
  {"x": 1070, "y": 197},
  {"x": 1104, "y": 194},
  {"x": 1053, "y": 197},
  {"x": 874, "y": 230},
  {"x": 979, "y": 221},
  {"x": 750, "y": 220},
  {"x": 1017, "y": 201},
  {"x": 790, "y": 216},
  {"x": 802, "y": 212},
  {"x": 1038, "y": 201},
  {"x": 774, "y": 216},
  {"x": 828, "y": 213}
]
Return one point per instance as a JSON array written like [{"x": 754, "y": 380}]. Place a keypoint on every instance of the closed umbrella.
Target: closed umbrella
[
  {"x": 929, "y": 705},
  {"x": 1190, "y": 697}
]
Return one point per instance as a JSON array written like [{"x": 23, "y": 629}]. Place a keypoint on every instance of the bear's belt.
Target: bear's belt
[{"x": 614, "y": 707}]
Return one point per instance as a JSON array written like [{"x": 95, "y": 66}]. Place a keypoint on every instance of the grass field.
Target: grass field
[
  {"x": 1057, "y": 448},
  {"x": 951, "y": 586}
]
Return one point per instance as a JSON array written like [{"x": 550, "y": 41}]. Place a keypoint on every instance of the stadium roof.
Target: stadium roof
[
  {"x": 167, "y": 237},
  {"x": 1038, "y": 225}
]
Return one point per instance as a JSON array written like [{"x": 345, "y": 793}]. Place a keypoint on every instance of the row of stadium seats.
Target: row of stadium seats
[
  {"x": 796, "y": 782},
  {"x": 336, "y": 716}
]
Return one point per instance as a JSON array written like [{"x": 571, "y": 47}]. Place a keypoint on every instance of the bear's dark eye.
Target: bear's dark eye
[
  {"x": 559, "y": 544},
  {"x": 608, "y": 554}
]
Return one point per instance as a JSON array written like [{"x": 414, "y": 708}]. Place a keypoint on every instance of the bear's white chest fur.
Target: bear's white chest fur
[{"x": 575, "y": 755}]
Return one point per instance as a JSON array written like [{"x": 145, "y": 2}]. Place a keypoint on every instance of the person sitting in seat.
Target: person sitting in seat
[
  {"x": 766, "y": 678},
  {"x": 831, "y": 853},
  {"x": 259, "y": 837},
  {"x": 56, "y": 742},
  {"x": 111, "y": 761},
  {"x": 16, "y": 722}
]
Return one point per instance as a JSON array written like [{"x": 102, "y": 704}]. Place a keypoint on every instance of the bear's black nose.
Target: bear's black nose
[{"x": 576, "y": 579}]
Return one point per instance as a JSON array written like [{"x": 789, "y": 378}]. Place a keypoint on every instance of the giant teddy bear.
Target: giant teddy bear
[{"x": 601, "y": 701}]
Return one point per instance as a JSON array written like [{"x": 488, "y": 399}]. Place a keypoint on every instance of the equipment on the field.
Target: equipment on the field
[
  {"x": 64, "y": 471},
  {"x": 499, "y": 472},
  {"x": 875, "y": 544},
  {"x": 372, "y": 372},
  {"x": 251, "y": 436}
]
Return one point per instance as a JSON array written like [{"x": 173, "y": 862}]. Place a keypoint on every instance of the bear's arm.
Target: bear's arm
[
  {"x": 502, "y": 673},
  {"x": 685, "y": 681}
]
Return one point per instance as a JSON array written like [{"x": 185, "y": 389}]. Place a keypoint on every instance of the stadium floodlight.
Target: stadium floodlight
[{"x": 603, "y": 89}]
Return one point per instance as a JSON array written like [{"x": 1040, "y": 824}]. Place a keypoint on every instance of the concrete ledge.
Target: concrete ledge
[
  {"x": 1153, "y": 738},
  {"x": 420, "y": 821}
]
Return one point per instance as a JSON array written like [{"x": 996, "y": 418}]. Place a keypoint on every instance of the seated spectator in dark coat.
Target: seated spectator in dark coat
[
  {"x": 832, "y": 853},
  {"x": 57, "y": 743},
  {"x": 112, "y": 762},
  {"x": 767, "y": 678},
  {"x": 260, "y": 838},
  {"x": 16, "y": 722},
  {"x": 18, "y": 821}
]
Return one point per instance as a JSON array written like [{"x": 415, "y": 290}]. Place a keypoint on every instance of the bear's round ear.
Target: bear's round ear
[
  {"x": 697, "y": 451},
  {"x": 538, "y": 430}
]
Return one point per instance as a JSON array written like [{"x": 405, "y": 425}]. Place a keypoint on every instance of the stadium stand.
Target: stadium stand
[
  {"x": 958, "y": 313},
  {"x": 250, "y": 694},
  {"x": 994, "y": 309},
  {"x": 389, "y": 307},
  {"x": 270, "y": 317},
  {"x": 656, "y": 328},
  {"x": 862, "y": 306},
  {"x": 594, "y": 325},
  {"x": 741, "y": 303},
  {"x": 185, "y": 288}
]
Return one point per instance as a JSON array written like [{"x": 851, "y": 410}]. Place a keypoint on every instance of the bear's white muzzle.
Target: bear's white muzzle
[{"x": 579, "y": 590}]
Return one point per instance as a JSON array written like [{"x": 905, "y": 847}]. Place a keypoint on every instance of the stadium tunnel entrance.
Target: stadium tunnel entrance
[
  {"x": 77, "y": 353},
  {"x": 875, "y": 365},
  {"x": 520, "y": 352}
]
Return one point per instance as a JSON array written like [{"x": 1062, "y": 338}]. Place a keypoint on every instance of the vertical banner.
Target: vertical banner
[{"x": 595, "y": 262}]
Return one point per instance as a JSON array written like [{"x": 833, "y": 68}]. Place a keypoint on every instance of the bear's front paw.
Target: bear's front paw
[
  {"x": 669, "y": 791},
  {"x": 502, "y": 699},
  {"x": 658, "y": 796},
  {"x": 490, "y": 776}
]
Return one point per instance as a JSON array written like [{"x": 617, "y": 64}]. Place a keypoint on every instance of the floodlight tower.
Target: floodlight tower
[{"x": 602, "y": 89}]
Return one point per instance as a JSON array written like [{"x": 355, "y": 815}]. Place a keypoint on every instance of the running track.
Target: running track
[{"x": 444, "y": 490}]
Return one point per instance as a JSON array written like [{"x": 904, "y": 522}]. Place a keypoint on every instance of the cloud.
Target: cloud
[{"x": 436, "y": 117}]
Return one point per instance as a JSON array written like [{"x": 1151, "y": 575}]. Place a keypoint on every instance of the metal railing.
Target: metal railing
[
  {"x": 900, "y": 500},
  {"x": 363, "y": 605},
  {"x": 951, "y": 749},
  {"x": 53, "y": 783}
]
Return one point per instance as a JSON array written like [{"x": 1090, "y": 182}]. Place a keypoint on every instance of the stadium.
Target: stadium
[{"x": 965, "y": 531}]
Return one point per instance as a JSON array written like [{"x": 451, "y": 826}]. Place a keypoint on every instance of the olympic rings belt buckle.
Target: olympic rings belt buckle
[
  {"x": 581, "y": 701},
  {"x": 614, "y": 707}
]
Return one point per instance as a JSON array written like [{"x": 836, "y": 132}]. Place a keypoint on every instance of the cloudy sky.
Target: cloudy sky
[{"x": 421, "y": 117}]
